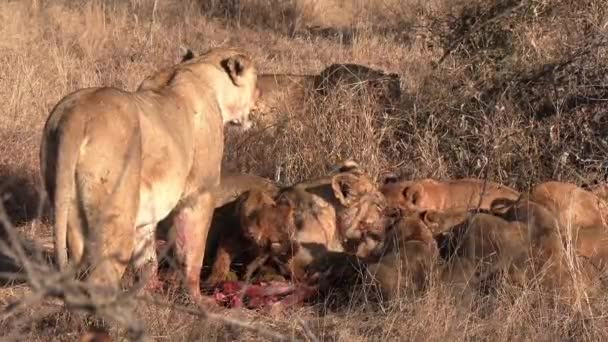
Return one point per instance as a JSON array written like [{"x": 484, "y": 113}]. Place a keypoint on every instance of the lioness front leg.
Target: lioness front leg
[
  {"x": 145, "y": 260},
  {"x": 191, "y": 226}
]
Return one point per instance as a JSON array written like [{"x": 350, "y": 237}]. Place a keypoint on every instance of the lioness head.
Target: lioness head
[
  {"x": 268, "y": 224},
  {"x": 233, "y": 79},
  {"x": 238, "y": 96}
]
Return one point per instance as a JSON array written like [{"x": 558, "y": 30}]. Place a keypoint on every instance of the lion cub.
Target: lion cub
[
  {"x": 263, "y": 227},
  {"x": 407, "y": 259},
  {"x": 343, "y": 211},
  {"x": 573, "y": 206},
  {"x": 582, "y": 217},
  {"x": 432, "y": 194},
  {"x": 479, "y": 246}
]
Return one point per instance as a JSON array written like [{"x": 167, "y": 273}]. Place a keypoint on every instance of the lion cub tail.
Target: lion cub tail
[{"x": 70, "y": 141}]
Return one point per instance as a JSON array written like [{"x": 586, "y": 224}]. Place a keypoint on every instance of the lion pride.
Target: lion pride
[{"x": 115, "y": 163}]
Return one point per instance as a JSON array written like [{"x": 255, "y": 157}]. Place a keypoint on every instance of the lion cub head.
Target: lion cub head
[
  {"x": 344, "y": 210},
  {"x": 267, "y": 223}
]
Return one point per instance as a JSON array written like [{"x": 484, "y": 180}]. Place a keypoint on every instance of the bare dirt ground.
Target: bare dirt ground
[{"x": 516, "y": 91}]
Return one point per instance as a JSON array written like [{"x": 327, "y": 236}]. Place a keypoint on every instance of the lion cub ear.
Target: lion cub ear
[
  {"x": 413, "y": 194},
  {"x": 344, "y": 187},
  {"x": 237, "y": 67},
  {"x": 432, "y": 219}
]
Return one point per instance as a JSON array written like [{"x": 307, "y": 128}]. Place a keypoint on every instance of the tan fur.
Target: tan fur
[
  {"x": 440, "y": 195},
  {"x": 280, "y": 92},
  {"x": 349, "y": 195},
  {"x": 592, "y": 243},
  {"x": 115, "y": 163},
  {"x": 234, "y": 184},
  {"x": 341, "y": 212},
  {"x": 574, "y": 207},
  {"x": 484, "y": 246},
  {"x": 408, "y": 257},
  {"x": 600, "y": 190},
  {"x": 582, "y": 218}
]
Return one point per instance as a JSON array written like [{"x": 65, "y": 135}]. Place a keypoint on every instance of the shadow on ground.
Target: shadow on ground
[{"x": 20, "y": 196}]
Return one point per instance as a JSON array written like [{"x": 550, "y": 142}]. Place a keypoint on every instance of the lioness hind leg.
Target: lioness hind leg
[
  {"x": 107, "y": 187},
  {"x": 191, "y": 225},
  {"x": 110, "y": 238}
]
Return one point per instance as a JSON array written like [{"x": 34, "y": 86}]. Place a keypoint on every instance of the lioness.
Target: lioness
[
  {"x": 115, "y": 163},
  {"x": 277, "y": 90},
  {"x": 582, "y": 218},
  {"x": 440, "y": 195}
]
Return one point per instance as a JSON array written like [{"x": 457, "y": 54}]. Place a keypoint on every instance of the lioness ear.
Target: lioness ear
[
  {"x": 343, "y": 185},
  {"x": 413, "y": 194},
  {"x": 236, "y": 67},
  {"x": 186, "y": 53}
]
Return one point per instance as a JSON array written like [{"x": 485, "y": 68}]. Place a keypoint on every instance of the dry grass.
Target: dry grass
[{"x": 520, "y": 97}]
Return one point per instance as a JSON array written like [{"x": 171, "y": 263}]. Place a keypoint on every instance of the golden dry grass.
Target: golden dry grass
[{"x": 521, "y": 98}]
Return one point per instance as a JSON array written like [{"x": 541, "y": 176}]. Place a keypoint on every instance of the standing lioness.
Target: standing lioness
[{"x": 115, "y": 163}]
